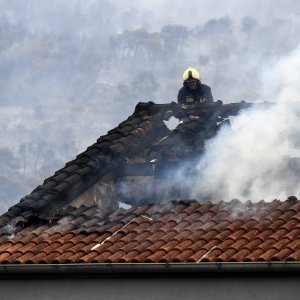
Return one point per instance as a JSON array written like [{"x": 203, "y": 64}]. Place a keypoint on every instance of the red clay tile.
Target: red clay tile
[
  {"x": 183, "y": 245},
  {"x": 181, "y": 226},
  {"x": 196, "y": 226},
  {"x": 168, "y": 236},
  {"x": 144, "y": 246},
  {"x": 222, "y": 225},
  {"x": 170, "y": 256},
  {"x": 52, "y": 247},
  {"x": 13, "y": 248},
  {"x": 239, "y": 244},
  {"x": 184, "y": 235},
  {"x": 276, "y": 225},
  {"x": 49, "y": 258},
  {"x": 155, "y": 227},
  {"x": 294, "y": 256},
  {"x": 197, "y": 232},
  {"x": 142, "y": 227},
  {"x": 39, "y": 259},
  {"x": 169, "y": 246},
  {"x": 89, "y": 239},
  {"x": 194, "y": 236},
  {"x": 283, "y": 206},
  {"x": 156, "y": 246},
  {"x": 278, "y": 234},
  {"x": 61, "y": 259},
  {"x": 91, "y": 223},
  {"x": 115, "y": 257},
  {"x": 212, "y": 244},
  {"x": 141, "y": 258},
  {"x": 87, "y": 258},
  {"x": 253, "y": 244},
  {"x": 236, "y": 235},
  {"x": 222, "y": 235},
  {"x": 4, "y": 255},
  {"x": 101, "y": 258},
  {"x": 7, "y": 245},
  {"x": 138, "y": 237},
  {"x": 116, "y": 246},
  {"x": 225, "y": 245},
  {"x": 66, "y": 238},
  {"x": 25, "y": 259},
  {"x": 240, "y": 256},
  {"x": 226, "y": 255},
  {"x": 12, "y": 258},
  {"x": 212, "y": 255},
  {"x": 280, "y": 256},
  {"x": 281, "y": 244},
  {"x": 155, "y": 257},
  {"x": 64, "y": 247},
  {"x": 268, "y": 244},
  {"x": 27, "y": 247},
  {"x": 129, "y": 257},
  {"x": 193, "y": 217},
  {"x": 183, "y": 256},
  {"x": 294, "y": 245},
  {"x": 295, "y": 207},
  {"x": 77, "y": 247},
  {"x": 168, "y": 226},
  {"x": 268, "y": 255},
  {"x": 198, "y": 245},
  {"x": 293, "y": 234},
  {"x": 27, "y": 239},
  {"x": 198, "y": 256},
  {"x": 234, "y": 225},
  {"x": 289, "y": 225},
  {"x": 130, "y": 246},
  {"x": 273, "y": 216},
  {"x": 75, "y": 257},
  {"x": 254, "y": 255},
  {"x": 208, "y": 225}
]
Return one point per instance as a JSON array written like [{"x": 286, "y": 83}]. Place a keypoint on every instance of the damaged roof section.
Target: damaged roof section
[
  {"x": 183, "y": 231},
  {"x": 74, "y": 217},
  {"x": 120, "y": 145},
  {"x": 132, "y": 148}
]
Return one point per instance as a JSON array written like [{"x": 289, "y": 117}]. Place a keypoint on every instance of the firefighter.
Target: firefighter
[{"x": 193, "y": 90}]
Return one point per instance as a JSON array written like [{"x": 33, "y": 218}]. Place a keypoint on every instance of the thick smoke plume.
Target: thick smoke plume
[{"x": 258, "y": 157}]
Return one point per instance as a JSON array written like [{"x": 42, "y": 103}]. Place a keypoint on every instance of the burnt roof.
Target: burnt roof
[{"x": 42, "y": 228}]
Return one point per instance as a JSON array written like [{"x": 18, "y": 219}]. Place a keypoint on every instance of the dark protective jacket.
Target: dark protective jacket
[{"x": 201, "y": 94}]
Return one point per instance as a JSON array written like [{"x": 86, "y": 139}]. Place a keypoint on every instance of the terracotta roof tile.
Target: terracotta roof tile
[
  {"x": 294, "y": 256},
  {"x": 74, "y": 258},
  {"x": 162, "y": 233},
  {"x": 240, "y": 255},
  {"x": 281, "y": 255}
]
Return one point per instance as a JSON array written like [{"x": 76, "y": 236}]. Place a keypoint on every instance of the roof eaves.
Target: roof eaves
[{"x": 148, "y": 270}]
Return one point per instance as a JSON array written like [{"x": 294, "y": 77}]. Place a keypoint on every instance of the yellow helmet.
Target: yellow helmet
[{"x": 191, "y": 74}]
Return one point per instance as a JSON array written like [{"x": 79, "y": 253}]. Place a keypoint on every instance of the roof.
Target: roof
[
  {"x": 184, "y": 231},
  {"x": 44, "y": 228}
]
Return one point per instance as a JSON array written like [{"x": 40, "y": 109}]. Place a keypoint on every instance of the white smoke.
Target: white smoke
[{"x": 258, "y": 156}]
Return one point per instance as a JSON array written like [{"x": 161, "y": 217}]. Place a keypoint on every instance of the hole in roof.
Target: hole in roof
[
  {"x": 172, "y": 123},
  {"x": 124, "y": 205}
]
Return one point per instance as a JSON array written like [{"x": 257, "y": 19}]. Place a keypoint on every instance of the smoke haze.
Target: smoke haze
[
  {"x": 258, "y": 157},
  {"x": 70, "y": 70}
]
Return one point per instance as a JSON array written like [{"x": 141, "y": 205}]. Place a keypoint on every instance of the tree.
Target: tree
[{"x": 8, "y": 161}]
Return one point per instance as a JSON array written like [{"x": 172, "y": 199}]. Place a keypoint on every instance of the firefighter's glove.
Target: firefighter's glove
[{"x": 192, "y": 117}]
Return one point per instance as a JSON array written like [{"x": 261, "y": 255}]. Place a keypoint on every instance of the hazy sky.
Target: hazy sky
[{"x": 70, "y": 70}]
